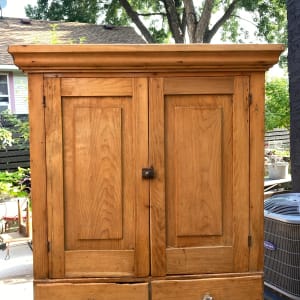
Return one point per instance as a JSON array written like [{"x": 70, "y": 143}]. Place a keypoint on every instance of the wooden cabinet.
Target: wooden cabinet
[
  {"x": 245, "y": 287},
  {"x": 101, "y": 117}
]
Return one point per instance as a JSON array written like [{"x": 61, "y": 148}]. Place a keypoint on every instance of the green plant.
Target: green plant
[
  {"x": 6, "y": 138},
  {"x": 277, "y": 104},
  {"x": 15, "y": 130},
  {"x": 15, "y": 184}
]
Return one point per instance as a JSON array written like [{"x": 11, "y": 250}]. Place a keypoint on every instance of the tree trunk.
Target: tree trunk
[
  {"x": 136, "y": 20},
  {"x": 191, "y": 19},
  {"x": 203, "y": 23},
  {"x": 293, "y": 12},
  {"x": 197, "y": 28},
  {"x": 174, "y": 21}
]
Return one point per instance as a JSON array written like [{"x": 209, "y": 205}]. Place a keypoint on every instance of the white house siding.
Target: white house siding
[{"x": 21, "y": 94}]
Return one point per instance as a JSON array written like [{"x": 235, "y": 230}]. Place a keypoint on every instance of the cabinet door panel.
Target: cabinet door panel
[
  {"x": 97, "y": 171},
  {"x": 196, "y": 166},
  {"x": 93, "y": 156},
  {"x": 194, "y": 156},
  {"x": 104, "y": 208},
  {"x": 203, "y": 176}
]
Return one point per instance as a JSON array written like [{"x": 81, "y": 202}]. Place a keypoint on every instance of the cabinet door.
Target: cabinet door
[
  {"x": 96, "y": 144},
  {"x": 199, "y": 146}
]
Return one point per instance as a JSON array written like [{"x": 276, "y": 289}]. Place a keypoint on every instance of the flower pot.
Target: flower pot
[{"x": 278, "y": 170}]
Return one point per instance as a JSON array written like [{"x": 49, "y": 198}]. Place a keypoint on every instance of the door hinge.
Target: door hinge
[
  {"x": 250, "y": 99},
  {"x": 44, "y": 101},
  {"x": 249, "y": 241}
]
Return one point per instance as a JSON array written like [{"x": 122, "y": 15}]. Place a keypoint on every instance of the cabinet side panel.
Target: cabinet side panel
[
  {"x": 241, "y": 174},
  {"x": 38, "y": 175},
  {"x": 256, "y": 170},
  {"x": 55, "y": 192}
]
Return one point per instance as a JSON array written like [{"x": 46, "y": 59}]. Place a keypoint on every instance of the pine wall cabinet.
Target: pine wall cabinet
[{"x": 147, "y": 170}]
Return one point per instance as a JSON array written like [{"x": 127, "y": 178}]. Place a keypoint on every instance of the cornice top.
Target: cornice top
[{"x": 143, "y": 58}]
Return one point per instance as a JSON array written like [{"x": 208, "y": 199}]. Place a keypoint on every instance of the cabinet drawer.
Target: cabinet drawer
[
  {"x": 91, "y": 291},
  {"x": 236, "y": 288}
]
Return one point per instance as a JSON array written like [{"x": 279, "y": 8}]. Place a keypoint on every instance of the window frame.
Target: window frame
[{"x": 3, "y": 102}]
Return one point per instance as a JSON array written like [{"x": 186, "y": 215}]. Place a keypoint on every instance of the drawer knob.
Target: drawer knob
[{"x": 207, "y": 297}]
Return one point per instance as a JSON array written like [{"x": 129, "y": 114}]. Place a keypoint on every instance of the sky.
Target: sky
[{"x": 15, "y": 8}]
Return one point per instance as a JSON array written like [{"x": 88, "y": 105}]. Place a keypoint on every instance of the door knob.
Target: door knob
[
  {"x": 148, "y": 173},
  {"x": 207, "y": 297}
]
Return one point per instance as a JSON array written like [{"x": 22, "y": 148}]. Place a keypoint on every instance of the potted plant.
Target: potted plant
[{"x": 277, "y": 166}]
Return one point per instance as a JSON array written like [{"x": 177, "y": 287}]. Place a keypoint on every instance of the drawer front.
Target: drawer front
[
  {"x": 91, "y": 291},
  {"x": 236, "y": 288}
]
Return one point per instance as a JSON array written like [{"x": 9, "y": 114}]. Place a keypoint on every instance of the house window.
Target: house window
[{"x": 4, "y": 98}]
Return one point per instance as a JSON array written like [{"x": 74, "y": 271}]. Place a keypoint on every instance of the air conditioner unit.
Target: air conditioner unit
[{"x": 282, "y": 244}]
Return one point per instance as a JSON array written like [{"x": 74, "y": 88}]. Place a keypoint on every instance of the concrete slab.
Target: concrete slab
[{"x": 16, "y": 275}]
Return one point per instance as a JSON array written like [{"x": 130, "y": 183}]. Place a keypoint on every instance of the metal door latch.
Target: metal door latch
[{"x": 148, "y": 173}]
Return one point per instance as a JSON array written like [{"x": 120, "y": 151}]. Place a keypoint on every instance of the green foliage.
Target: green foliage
[
  {"x": 230, "y": 18},
  {"x": 277, "y": 108},
  {"x": 38, "y": 12},
  {"x": 267, "y": 18},
  {"x": 6, "y": 138},
  {"x": 84, "y": 11},
  {"x": 272, "y": 20},
  {"x": 271, "y": 23},
  {"x": 114, "y": 14},
  {"x": 12, "y": 183},
  {"x": 230, "y": 31},
  {"x": 15, "y": 131}
]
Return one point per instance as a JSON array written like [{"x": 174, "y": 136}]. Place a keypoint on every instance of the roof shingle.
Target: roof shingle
[{"x": 19, "y": 31}]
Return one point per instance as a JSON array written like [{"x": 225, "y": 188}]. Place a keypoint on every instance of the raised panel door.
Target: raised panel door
[
  {"x": 199, "y": 142},
  {"x": 98, "y": 203}
]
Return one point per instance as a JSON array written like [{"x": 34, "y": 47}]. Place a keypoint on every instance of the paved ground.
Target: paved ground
[{"x": 16, "y": 272}]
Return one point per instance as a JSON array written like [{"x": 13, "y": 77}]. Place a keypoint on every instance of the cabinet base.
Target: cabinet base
[{"x": 234, "y": 288}]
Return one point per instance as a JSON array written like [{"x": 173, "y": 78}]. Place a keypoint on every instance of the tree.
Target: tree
[
  {"x": 85, "y": 11},
  {"x": 159, "y": 20},
  {"x": 277, "y": 104},
  {"x": 293, "y": 13}
]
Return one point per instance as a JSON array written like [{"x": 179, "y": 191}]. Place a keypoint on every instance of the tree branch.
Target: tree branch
[
  {"x": 183, "y": 24},
  {"x": 136, "y": 20},
  {"x": 228, "y": 13},
  {"x": 152, "y": 14},
  {"x": 191, "y": 19},
  {"x": 173, "y": 20},
  {"x": 204, "y": 21}
]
